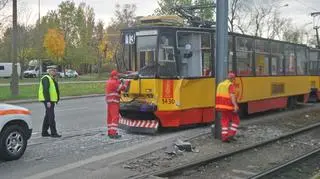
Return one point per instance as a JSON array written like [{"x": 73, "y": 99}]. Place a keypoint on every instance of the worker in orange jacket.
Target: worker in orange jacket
[
  {"x": 226, "y": 104},
  {"x": 113, "y": 89}
]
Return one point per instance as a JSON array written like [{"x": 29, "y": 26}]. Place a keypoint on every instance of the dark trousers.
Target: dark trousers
[{"x": 49, "y": 120}]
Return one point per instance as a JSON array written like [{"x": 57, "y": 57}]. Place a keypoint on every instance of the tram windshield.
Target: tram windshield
[
  {"x": 146, "y": 51},
  {"x": 167, "y": 53},
  {"x": 140, "y": 53}
]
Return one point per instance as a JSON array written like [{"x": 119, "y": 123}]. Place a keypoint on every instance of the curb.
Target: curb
[{"x": 63, "y": 98}]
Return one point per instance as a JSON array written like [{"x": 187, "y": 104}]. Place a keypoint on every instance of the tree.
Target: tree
[
  {"x": 165, "y": 6},
  {"x": 294, "y": 34},
  {"x": 204, "y": 11},
  {"x": 24, "y": 55},
  {"x": 55, "y": 44},
  {"x": 124, "y": 16},
  {"x": 25, "y": 47},
  {"x": 237, "y": 14},
  {"x": 101, "y": 44},
  {"x": 3, "y": 3}
]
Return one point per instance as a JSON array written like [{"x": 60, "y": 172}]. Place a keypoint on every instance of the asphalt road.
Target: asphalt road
[
  {"x": 62, "y": 82},
  {"x": 82, "y": 125},
  {"x": 72, "y": 115}
]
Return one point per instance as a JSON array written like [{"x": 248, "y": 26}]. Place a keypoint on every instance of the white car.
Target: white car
[
  {"x": 15, "y": 131},
  {"x": 72, "y": 73}
]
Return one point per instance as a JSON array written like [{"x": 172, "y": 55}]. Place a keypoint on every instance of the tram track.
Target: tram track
[
  {"x": 281, "y": 170},
  {"x": 194, "y": 167}
]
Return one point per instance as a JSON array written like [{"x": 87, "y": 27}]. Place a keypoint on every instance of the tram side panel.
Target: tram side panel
[{"x": 266, "y": 93}]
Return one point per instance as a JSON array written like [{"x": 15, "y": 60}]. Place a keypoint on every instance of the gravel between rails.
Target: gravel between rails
[
  {"x": 249, "y": 163},
  {"x": 250, "y": 132}
]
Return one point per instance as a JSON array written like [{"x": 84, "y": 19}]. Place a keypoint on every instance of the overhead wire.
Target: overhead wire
[{"x": 304, "y": 4}]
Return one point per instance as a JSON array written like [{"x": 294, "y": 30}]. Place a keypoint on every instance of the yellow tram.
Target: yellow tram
[{"x": 171, "y": 69}]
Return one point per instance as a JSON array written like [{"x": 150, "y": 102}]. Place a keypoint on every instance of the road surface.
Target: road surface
[
  {"x": 71, "y": 115},
  {"x": 84, "y": 143}
]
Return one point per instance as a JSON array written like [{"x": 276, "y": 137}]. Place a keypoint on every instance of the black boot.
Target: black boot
[
  {"x": 45, "y": 134},
  {"x": 116, "y": 136},
  {"x": 232, "y": 138},
  {"x": 55, "y": 135}
]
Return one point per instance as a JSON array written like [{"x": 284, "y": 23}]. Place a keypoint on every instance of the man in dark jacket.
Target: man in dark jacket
[{"x": 49, "y": 95}]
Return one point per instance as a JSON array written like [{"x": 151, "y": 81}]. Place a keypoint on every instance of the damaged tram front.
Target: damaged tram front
[{"x": 166, "y": 66}]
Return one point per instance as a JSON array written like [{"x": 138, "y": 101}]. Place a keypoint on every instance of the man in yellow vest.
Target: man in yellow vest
[
  {"x": 49, "y": 95},
  {"x": 226, "y": 103}
]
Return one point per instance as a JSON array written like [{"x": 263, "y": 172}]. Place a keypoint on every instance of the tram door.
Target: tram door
[{"x": 195, "y": 67}]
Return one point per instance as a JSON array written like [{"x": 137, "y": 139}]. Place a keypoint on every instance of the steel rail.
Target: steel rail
[
  {"x": 214, "y": 157},
  {"x": 286, "y": 164}
]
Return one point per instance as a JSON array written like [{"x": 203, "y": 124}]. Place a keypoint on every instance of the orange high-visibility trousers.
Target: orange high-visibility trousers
[
  {"x": 227, "y": 130},
  {"x": 113, "y": 118}
]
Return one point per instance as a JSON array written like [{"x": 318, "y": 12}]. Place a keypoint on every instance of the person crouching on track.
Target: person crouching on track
[
  {"x": 113, "y": 89},
  {"x": 226, "y": 104}
]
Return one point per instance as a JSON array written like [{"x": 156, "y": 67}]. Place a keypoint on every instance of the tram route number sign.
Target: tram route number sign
[{"x": 168, "y": 101}]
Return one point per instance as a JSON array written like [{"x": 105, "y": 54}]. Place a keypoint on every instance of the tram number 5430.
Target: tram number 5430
[{"x": 168, "y": 101}]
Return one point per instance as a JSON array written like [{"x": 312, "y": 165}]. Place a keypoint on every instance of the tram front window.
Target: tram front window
[{"x": 146, "y": 46}]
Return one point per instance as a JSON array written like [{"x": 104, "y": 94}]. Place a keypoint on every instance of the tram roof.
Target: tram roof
[{"x": 177, "y": 28}]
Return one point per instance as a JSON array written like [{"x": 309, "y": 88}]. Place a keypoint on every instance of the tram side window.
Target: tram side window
[
  {"x": 262, "y": 53},
  {"x": 230, "y": 53},
  {"x": 290, "y": 60},
  {"x": 206, "y": 54},
  {"x": 195, "y": 54},
  {"x": 244, "y": 56},
  {"x": 314, "y": 63},
  {"x": 277, "y": 58},
  {"x": 167, "y": 61},
  {"x": 301, "y": 60},
  {"x": 318, "y": 62}
]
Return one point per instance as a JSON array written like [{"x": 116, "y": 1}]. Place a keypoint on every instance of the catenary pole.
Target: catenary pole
[{"x": 221, "y": 52}]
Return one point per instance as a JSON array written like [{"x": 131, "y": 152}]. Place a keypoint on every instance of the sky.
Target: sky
[
  {"x": 104, "y": 9},
  {"x": 298, "y": 10}
]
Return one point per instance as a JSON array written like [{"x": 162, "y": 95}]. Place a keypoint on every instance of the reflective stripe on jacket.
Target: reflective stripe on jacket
[{"x": 223, "y": 99}]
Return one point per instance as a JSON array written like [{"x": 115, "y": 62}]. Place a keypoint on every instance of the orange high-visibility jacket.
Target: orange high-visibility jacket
[
  {"x": 113, "y": 90},
  {"x": 223, "y": 98}
]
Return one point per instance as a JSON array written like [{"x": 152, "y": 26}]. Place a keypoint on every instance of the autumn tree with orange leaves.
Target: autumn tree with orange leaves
[{"x": 55, "y": 44}]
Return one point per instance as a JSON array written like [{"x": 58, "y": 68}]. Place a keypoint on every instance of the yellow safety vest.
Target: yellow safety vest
[
  {"x": 223, "y": 99},
  {"x": 52, "y": 90}
]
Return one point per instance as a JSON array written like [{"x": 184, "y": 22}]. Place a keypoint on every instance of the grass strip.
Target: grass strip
[{"x": 31, "y": 91}]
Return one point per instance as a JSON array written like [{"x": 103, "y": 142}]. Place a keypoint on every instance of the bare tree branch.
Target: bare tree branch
[{"x": 3, "y": 3}]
